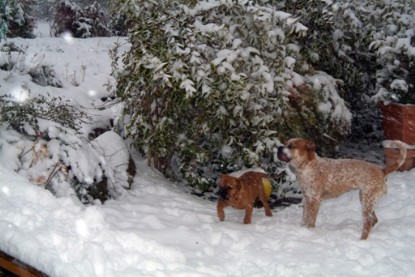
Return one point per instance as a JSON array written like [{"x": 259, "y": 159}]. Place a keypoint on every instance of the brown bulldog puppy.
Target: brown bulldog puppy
[{"x": 241, "y": 193}]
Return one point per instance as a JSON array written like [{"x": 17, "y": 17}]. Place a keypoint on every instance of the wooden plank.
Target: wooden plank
[{"x": 18, "y": 267}]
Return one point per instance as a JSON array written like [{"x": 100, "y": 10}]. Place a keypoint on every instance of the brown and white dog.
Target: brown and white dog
[
  {"x": 241, "y": 193},
  {"x": 323, "y": 178}
]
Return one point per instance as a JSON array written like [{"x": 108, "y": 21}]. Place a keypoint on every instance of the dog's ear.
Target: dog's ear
[{"x": 310, "y": 145}]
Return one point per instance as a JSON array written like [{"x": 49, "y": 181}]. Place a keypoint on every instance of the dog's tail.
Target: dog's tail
[{"x": 400, "y": 160}]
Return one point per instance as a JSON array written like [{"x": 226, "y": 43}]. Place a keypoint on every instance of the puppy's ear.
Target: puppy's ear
[
  {"x": 238, "y": 185},
  {"x": 222, "y": 180},
  {"x": 226, "y": 180},
  {"x": 233, "y": 182}
]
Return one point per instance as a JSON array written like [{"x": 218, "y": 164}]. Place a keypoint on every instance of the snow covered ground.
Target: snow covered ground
[{"x": 157, "y": 229}]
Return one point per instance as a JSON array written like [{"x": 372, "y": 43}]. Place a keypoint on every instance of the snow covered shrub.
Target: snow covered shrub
[
  {"x": 344, "y": 35},
  {"x": 211, "y": 87},
  {"x": 97, "y": 169},
  {"x": 338, "y": 40},
  {"x": 338, "y": 37},
  {"x": 96, "y": 14},
  {"x": 11, "y": 55},
  {"x": 3, "y": 22},
  {"x": 117, "y": 23},
  {"x": 24, "y": 114},
  {"x": 19, "y": 18},
  {"x": 81, "y": 23},
  {"x": 44, "y": 75},
  {"x": 15, "y": 60},
  {"x": 367, "y": 44},
  {"x": 41, "y": 139},
  {"x": 67, "y": 18},
  {"x": 394, "y": 43},
  {"x": 63, "y": 162}
]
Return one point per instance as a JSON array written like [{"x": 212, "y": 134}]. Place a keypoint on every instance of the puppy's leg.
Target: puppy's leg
[
  {"x": 220, "y": 209},
  {"x": 314, "y": 206},
  {"x": 248, "y": 213},
  {"x": 263, "y": 199}
]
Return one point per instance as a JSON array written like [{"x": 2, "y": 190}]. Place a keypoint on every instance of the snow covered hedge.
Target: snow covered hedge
[
  {"x": 213, "y": 86},
  {"x": 54, "y": 142},
  {"x": 90, "y": 21},
  {"x": 369, "y": 45},
  {"x": 394, "y": 45},
  {"x": 40, "y": 139},
  {"x": 18, "y": 18}
]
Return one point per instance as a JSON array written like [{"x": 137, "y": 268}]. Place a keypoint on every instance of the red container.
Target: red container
[
  {"x": 392, "y": 154},
  {"x": 399, "y": 122}
]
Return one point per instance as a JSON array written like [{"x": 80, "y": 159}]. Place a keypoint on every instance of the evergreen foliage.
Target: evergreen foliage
[
  {"x": 18, "y": 15},
  {"x": 55, "y": 154},
  {"x": 81, "y": 23},
  {"x": 367, "y": 44},
  {"x": 394, "y": 45},
  {"x": 212, "y": 87},
  {"x": 3, "y": 22},
  {"x": 24, "y": 115}
]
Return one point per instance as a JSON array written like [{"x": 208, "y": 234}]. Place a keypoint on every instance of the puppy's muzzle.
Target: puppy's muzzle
[
  {"x": 223, "y": 193},
  {"x": 282, "y": 156}
]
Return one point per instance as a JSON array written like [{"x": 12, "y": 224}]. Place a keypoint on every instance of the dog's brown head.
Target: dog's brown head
[
  {"x": 228, "y": 187},
  {"x": 297, "y": 149}
]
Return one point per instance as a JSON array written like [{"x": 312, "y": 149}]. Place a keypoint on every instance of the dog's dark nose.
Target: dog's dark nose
[{"x": 223, "y": 193}]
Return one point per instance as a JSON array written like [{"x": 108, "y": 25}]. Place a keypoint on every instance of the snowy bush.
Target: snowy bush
[
  {"x": 15, "y": 60},
  {"x": 394, "y": 44},
  {"x": 98, "y": 18},
  {"x": 66, "y": 18},
  {"x": 40, "y": 138},
  {"x": 23, "y": 114},
  {"x": 18, "y": 16},
  {"x": 66, "y": 164},
  {"x": 211, "y": 87},
  {"x": 81, "y": 23},
  {"x": 338, "y": 40},
  {"x": 367, "y": 44},
  {"x": 117, "y": 24},
  {"x": 3, "y": 22}
]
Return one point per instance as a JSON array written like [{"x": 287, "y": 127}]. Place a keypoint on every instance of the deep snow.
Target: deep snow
[{"x": 157, "y": 229}]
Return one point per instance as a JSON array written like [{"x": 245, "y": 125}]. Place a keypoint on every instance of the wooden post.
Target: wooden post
[{"x": 18, "y": 267}]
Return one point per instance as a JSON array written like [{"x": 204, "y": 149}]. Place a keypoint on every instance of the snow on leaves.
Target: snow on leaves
[{"x": 221, "y": 73}]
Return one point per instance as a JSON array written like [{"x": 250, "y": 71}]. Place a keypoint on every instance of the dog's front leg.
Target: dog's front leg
[
  {"x": 248, "y": 214},
  {"x": 220, "y": 209},
  {"x": 314, "y": 206},
  {"x": 306, "y": 208}
]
